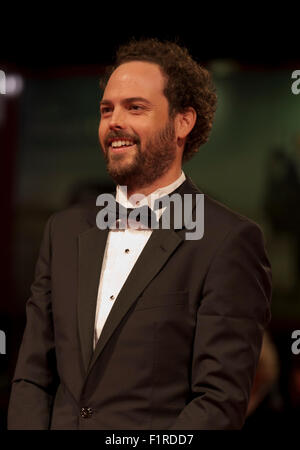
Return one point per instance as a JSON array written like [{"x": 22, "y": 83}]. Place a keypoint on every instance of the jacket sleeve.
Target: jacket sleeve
[
  {"x": 233, "y": 312},
  {"x": 35, "y": 379}
]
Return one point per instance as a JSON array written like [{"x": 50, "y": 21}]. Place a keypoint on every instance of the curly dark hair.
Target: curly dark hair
[{"x": 188, "y": 84}]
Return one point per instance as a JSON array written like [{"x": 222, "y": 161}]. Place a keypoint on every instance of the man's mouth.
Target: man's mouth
[{"x": 120, "y": 144}]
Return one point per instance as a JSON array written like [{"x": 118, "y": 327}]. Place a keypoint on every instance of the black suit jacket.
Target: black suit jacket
[{"x": 180, "y": 346}]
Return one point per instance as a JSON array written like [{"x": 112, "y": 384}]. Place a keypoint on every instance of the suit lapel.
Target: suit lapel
[{"x": 159, "y": 248}]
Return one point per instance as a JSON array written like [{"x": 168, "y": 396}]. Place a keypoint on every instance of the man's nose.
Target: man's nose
[{"x": 117, "y": 120}]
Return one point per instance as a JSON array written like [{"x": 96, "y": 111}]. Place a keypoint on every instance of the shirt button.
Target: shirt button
[
  {"x": 86, "y": 413},
  {"x": 112, "y": 297},
  {"x": 127, "y": 250}
]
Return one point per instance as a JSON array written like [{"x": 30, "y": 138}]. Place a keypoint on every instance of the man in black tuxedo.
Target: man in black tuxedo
[{"x": 140, "y": 328}]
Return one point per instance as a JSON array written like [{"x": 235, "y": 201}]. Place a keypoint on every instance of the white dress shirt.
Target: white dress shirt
[{"x": 123, "y": 247}]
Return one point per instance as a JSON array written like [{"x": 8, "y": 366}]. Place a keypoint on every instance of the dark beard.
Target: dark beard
[{"x": 149, "y": 164}]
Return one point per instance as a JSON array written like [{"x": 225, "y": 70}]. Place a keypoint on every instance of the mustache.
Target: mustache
[{"x": 122, "y": 136}]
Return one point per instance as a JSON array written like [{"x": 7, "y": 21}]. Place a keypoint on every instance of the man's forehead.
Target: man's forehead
[{"x": 135, "y": 78}]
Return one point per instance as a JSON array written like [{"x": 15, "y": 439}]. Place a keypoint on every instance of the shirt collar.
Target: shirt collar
[{"x": 121, "y": 196}]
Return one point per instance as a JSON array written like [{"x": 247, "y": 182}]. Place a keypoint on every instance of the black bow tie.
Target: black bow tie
[{"x": 142, "y": 214}]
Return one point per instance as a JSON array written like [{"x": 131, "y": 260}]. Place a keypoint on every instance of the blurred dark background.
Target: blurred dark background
[{"x": 50, "y": 158}]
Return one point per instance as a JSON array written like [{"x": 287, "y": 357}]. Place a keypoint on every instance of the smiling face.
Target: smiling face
[{"x": 136, "y": 134}]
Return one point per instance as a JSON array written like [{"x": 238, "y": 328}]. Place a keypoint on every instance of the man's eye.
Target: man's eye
[
  {"x": 105, "y": 110},
  {"x": 135, "y": 107}
]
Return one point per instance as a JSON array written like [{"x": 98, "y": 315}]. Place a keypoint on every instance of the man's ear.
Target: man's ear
[{"x": 184, "y": 122}]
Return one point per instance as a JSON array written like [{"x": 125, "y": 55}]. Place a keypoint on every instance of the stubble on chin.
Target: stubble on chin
[{"x": 122, "y": 168}]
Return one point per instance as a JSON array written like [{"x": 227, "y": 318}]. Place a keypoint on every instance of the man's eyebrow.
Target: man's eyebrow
[
  {"x": 105, "y": 102},
  {"x": 137, "y": 99},
  {"x": 127, "y": 100}
]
